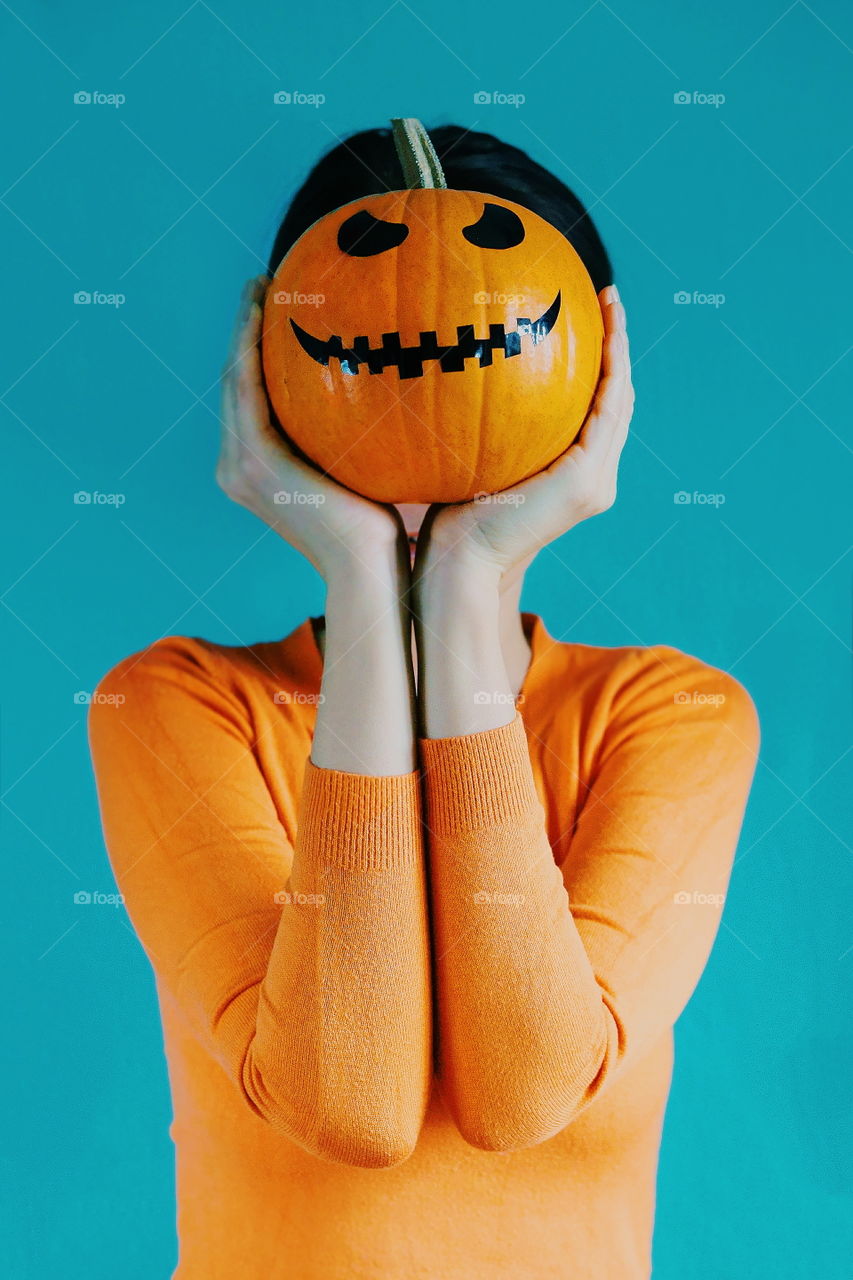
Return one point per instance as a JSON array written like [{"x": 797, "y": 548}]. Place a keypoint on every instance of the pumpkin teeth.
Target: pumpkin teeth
[{"x": 409, "y": 361}]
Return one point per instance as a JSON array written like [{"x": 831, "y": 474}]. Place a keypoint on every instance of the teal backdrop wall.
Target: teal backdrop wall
[{"x": 711, "y": 143}]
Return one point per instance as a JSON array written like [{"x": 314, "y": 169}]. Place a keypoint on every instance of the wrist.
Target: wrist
[
  {"x": 366, "y": 613},
  {"x": 462, "y": 680},
  {"x": 378, "y": 567},
  {"x": 455, "y": 576},
  {"x": 366, "y": 723}
]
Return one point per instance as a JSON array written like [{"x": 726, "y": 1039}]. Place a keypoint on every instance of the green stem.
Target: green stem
[{"x": 421, "y": 166}]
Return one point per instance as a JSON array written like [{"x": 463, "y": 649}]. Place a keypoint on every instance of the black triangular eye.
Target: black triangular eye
[
  {"x": 497, "y": 228},
  {"x": 362, "y": 235}
]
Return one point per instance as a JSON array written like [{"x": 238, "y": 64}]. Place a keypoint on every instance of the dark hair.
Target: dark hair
[{"x": 366, "y": 163}]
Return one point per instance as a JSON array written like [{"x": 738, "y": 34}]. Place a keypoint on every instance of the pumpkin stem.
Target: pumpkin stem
[{"x": 421, "y": 166}]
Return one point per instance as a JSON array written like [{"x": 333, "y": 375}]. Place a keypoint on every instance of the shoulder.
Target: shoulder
[
  {"x": 168, "y": 660},
  {"x": 174, "y": 679},
  {"x": 243, "y": 689},
  {"x": 689, "y": 699},
  {"x": 667, "y": 675},
  {"x": 661, "y": 687}
]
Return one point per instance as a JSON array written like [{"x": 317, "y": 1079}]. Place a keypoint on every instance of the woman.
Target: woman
[{"x": 423, "y": 903}]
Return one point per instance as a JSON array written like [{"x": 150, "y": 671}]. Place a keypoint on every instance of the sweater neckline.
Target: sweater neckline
[{"x": 540, "y": 641}]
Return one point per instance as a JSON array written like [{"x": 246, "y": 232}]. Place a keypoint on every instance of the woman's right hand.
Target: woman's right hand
[{"x": 329, "y": 524}]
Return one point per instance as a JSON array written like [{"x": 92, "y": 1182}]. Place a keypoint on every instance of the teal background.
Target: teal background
[{"x": 172, "y": 199}]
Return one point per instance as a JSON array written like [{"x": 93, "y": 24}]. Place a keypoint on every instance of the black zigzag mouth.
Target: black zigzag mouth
[{"x": 410, "y": 361}]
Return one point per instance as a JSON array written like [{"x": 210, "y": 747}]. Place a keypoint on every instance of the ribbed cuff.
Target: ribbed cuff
[
  {"x": 359, "y": 822},
  {"x": 478, "y": 780}
]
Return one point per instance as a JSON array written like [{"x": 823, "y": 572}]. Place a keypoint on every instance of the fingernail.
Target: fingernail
[{"x": 614, "y": 293}]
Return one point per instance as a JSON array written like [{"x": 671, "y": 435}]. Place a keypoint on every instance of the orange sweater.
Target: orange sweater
[{"x": 578, "y": 858}]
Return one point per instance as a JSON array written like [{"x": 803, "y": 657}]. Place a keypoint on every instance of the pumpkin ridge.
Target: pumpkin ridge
[
  {"x": 405, "y": 439},
  {"x": 482, "y": 394}
]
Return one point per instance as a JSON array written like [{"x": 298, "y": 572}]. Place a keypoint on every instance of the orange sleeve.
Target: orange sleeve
[
  {"x": 300, "y": 969},
  {"x": 551, "y": 979}
]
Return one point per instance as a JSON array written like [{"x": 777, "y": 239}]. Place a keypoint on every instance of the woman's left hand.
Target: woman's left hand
[{"x": 504, "y": 531}]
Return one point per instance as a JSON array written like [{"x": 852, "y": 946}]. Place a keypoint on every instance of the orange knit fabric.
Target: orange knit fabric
[{"x": 334, "y": 1117}]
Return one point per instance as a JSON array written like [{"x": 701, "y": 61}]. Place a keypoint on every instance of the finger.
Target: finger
[
  {"x": 253, "y": 408},
  {"x": 621, "y": 407},
  {"x": 620, "y": 435},
  {"x": 615, "y": 334},
  {"x": 619, "y": 361},
  {"x": 616, "y": 360},
  {"x": 234, "y": 375},
  {"x": 607, "y": 296},
  {"x": 229, "y": 414},
  {"x": 250, "y": 331},
  {"x": 239, "y": 320},
  {"x": 250, "y": 386},
  {"x": 610, "y": 406},
  {"x": 259, "y": 284},
  {"x": 253, "y": 291}
]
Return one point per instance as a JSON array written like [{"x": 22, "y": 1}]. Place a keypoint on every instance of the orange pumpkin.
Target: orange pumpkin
[{"x": 428, "y": 345}]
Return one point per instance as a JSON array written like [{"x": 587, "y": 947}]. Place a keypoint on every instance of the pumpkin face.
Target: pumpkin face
[{"x": 432, "y": 344}]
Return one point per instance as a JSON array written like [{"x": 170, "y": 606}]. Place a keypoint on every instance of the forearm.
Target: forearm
[
  {"x": 366, "y": 719},
  {"x": 521, "y": 1024},
  {"x": 463, "y": 682},
  {"x": 341, "y": 1059},
  {"x": 522, "y": 1027}
]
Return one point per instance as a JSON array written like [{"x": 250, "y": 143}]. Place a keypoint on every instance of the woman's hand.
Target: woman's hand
[
  {"x": 327, "y": 523},
  {"x": 507, "y": 530}
]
